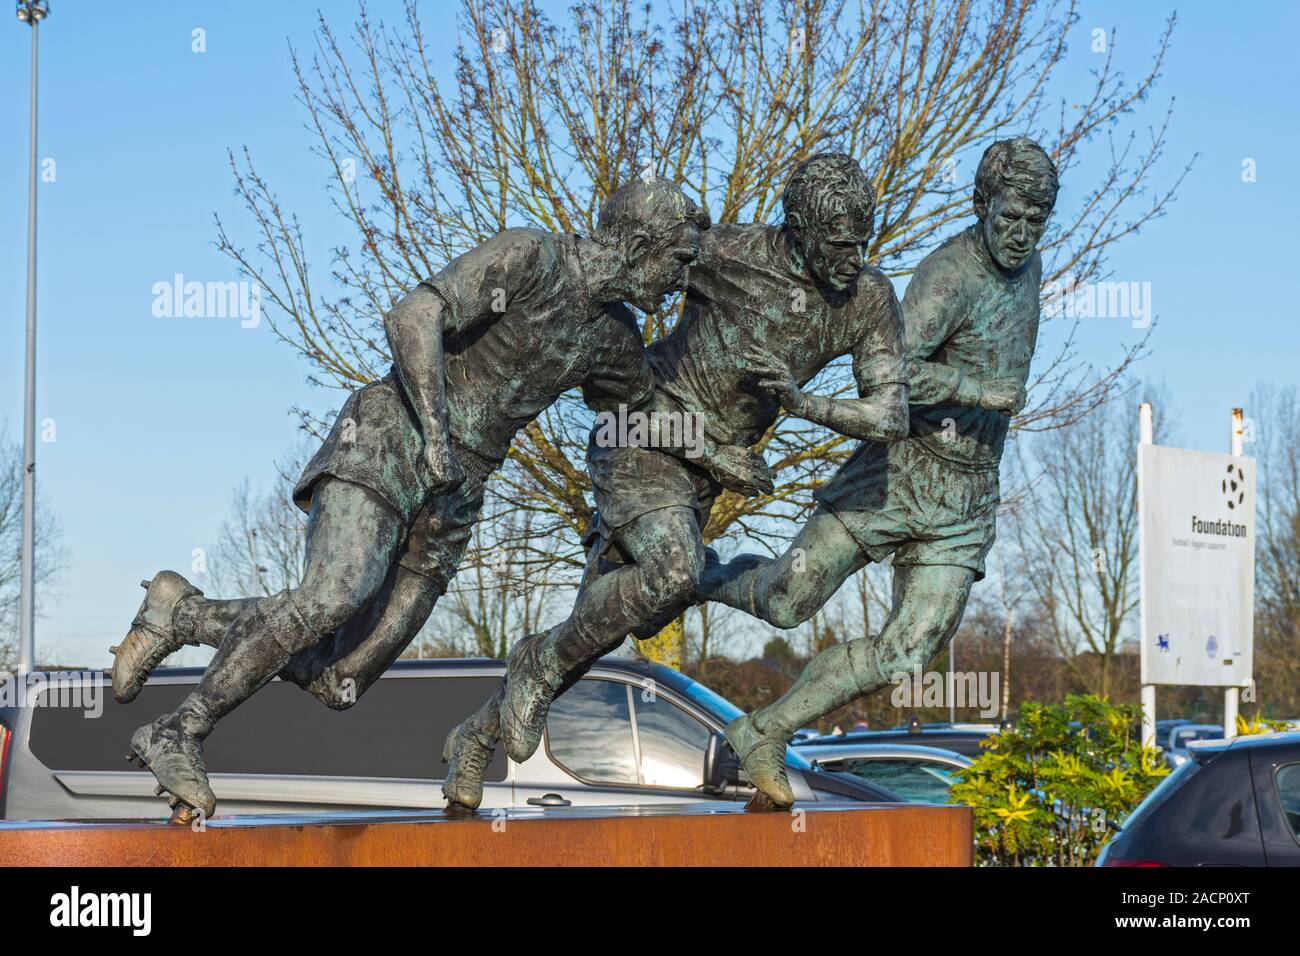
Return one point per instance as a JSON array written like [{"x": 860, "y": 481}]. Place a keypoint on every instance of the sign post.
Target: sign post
[
  {"x": 1196, "y": 543},
  {"x": 1146, "y": 431}
]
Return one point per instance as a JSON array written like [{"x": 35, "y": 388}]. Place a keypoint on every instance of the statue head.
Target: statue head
[
  {"x": 1015, "y": 190},
  {"x": 829, "y": 204},
  {"x": 656, "y": 230}
]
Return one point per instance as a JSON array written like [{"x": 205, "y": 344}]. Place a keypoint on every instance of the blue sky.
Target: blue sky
[{"x": 158, "y": 419}]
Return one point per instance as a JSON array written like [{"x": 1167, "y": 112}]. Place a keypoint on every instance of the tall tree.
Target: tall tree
[
  {"x": 1276, "y": 414},
  {"x": 1075, "y": 531},
  {"x": 51, "y": 555},
  {"x": 432, "y": 145}
]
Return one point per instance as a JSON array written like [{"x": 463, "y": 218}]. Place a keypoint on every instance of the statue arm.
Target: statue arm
[
  {"x": 880, "y": 415},
  {"x": 738, "y": 469},
  {"x": 880, "y": 411},
  {"x": 934, "y": 311},
  {"x": 414, "y": 328}
]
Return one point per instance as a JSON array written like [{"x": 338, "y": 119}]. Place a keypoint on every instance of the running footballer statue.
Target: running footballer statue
[
  {"x": 479, "y": 350},
  {"x": 768, "y": 307},
  {"x": 970, "y": 315}
]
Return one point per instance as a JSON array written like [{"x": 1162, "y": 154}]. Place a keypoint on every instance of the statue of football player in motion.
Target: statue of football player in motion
[
  {"x": 971, "y": 318},
  {"x": 768, "y": 307},
  {"x": 479, "y": 350}
]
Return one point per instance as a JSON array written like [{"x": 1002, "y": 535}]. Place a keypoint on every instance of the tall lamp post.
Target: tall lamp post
[{"x": 30, "y": 12}]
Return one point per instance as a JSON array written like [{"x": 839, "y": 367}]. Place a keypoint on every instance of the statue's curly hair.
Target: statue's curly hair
[
  {"x": 827, "y": 185},
  {"x": 653, "y": 206},
  {"x": 1019, "y": 164}
]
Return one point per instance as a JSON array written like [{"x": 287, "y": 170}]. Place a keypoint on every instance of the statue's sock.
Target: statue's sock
[
  {"x": 486, "y": 721},
  {"x": 734, "y": 583},
  {"x": 256, "y": 647},
  {"x": 204, "y": 621},
  {"x": 832, "y": 679},
  {"x": 607, "y": 610}
]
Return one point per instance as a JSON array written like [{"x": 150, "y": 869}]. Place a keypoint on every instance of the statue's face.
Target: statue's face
[
  {"x": 1012, "y": 225},
  {"x": 834, "y": 253},
  {"x": 658, "y": 268}
]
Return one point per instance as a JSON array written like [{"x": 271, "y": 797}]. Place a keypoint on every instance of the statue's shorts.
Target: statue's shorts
[
  {"x": 904, "y": 500},
  {"x": 630, "y": 481},
  {"x": 376, "y": 443}
]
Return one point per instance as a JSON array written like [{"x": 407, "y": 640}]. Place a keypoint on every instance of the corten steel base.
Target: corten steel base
[{"x": 821, "y": 835}]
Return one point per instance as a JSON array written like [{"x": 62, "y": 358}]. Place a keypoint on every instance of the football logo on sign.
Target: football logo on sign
[{"x": 1234, "y": 486}]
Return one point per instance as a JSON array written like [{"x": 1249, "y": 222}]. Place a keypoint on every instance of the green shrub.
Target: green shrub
[{"x": 1047, "y": 792}]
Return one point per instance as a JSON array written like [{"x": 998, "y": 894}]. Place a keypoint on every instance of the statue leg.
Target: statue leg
[
  {"x": 338, "y": 671},
  {"x": 201, "y": 620},
  {"x": 174, "y": 613},
  {"x": 928, "y": 604},
  {"x": 668, "y": 556},
  {"x": 470, "y": 745},
  {"x": 790, "y": 589},
  {"x": 352, "y": 541}
]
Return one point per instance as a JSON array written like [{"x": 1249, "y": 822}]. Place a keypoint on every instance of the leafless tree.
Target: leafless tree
[
  {"x": 51, "y": 555},
  {"x": 1075, "y": 532},
  {"x": 262, "y": 542},
  {"x": 1276, "y": 416},
  {"x": 432, "y": 144},
  {"x": 504, "y": 590}
]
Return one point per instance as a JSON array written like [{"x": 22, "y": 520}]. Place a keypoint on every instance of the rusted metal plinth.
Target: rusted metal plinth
[{"x": 816, "y": 835}]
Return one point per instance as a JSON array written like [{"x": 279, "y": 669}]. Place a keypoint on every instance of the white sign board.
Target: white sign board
[{"x": 1197, "y": 566}]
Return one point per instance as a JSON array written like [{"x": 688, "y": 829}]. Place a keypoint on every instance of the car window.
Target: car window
[
  {"x": 672, "y": 743},
  {"x": 589, "y": 732},
  {"x": 1177, "y": 779},
  {"x": 917, "y": 781},
  {"x": 1185, "y": 737},
  {"x": 395, "y": 729},
  {"x": 1287, "y": 781}
]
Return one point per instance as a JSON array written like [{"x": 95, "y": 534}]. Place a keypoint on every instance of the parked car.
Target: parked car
[
  {"x": 630, "y": 733},
  {"x": 917, "y": 774},
  {"x": 1160, "y": 740},
  {"x": 965, "y": 739},
  {"x": 1181, "y": 735},
  {"x": 1234, "y": 803}
]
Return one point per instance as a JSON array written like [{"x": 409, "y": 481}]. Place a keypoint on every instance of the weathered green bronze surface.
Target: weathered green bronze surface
[
  {"x": 480, "y": 349},
  {"x": 971, "y": 318},
  {"x": 493, "y": 339},
  {"x": 768, "y": 307}
]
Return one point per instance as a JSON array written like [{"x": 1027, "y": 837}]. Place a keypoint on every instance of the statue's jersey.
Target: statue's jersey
[
  {"x": 932, "y": 498},
  {"x": 744, "y": 294},
  {"x": 520, "y": 333},
  {"x": 960, "y": 312}
]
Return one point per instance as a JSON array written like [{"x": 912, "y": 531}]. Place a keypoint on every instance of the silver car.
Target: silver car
[{"x": 629, "y": 733}]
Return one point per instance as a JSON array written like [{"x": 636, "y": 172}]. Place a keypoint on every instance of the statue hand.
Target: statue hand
[
  {"x": 1003, "y": 396},
  {"x": 773, "y": 375},
  {"x": 741, "y": 470},
  {"x": 445, "y": 472}
]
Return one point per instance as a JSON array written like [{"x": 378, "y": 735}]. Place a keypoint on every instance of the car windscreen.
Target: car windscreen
[{"x": 724, "y": 711}]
